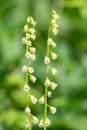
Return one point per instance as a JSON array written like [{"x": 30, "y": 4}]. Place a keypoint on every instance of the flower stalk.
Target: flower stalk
[
  {"x": 47, "y": 60},
  {"x": 28, "y": 70}
]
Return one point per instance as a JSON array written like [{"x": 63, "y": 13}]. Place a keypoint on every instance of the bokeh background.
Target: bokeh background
[{"x": 70, "y": 97}]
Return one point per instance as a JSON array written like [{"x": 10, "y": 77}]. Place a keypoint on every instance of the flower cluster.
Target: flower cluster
[
  {"x": 49, "y": 85},
  {"x": 54, "y": 25},
  {"x": 30, "y": 36}
]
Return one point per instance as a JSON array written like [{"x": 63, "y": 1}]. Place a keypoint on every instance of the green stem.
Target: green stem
[
  {"x": 27, "y": 93},
  {"x": 47, "y": 69}
]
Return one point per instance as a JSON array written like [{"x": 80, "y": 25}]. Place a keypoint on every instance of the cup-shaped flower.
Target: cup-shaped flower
[
  {"x": 55, "y": 30},
  {"x": 26, "y": 87},
  {"x": 54, "y": 15},
  {"x": 32, "y": 49},
  {"x": 29, "y": 43},
  {"x": 46, "y": 60},
  {"x": 27, "y": 123},
  {"x": 47, "y": 82},
  {"x": 33, "y": 99},
  {"x": 32, "y": 56},
  {"x": 24, "y": 40},
  {"x": 53, "y": 85},
  {"x": 47, "y": 122},
  {"x": 31, "y": 30},
  {"x": 52, "y": 109},
  {"x": 31, "y": 21},
  {"x": 27, "y": 110},
  {"x": 24, "y": 68},
  {"x": 26, "y": 28},
  {"x": 30, "y": 69},
  {"x": 41, "y": 123},
  {"x": 49, "y": 93},
  {"x": 35, "y": 119},
  {"x": 27, "y": 55},
  {"x": 41, "y": 100},
  {"x": 53, "y": 55},
  {"x": 53, "y": 71},
  {"x": 51, "y": 42},
  {"x": 33, "y": 78}
]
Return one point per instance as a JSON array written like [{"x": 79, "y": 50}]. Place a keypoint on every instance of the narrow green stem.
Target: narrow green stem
[
  {"x": 47, "y": 70},
  {"x": 27, "y": 93}
]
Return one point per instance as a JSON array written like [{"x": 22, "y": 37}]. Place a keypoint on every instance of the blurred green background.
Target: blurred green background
[{"x": 70, "y": 97}]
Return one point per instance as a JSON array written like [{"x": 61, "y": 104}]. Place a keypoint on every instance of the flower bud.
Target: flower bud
[
  {"x": 53, "y": 85},
  {"x": 35, "y": 119},
  {"x": 24, "y": 40},
  {"x": 47, "y": 82},
  {"x": 53, "y": 55},
  {"x": 32, "y": 56},
  {"x": 33, "y": 78},
  {"x": 32, "y": 49},
  {"x": 53, "y": 71},
  {"x": 26, "y": 28},
  {"x": 49, "y": 94},
  {"x": 51, "y": 42},
  {"x": 46, "y": 60},
  {"x": 47, "y": 122},
  {"x": 27, "y": 54},
  {"x": 41, "y": 100},
  {"x": 33, "y": 99},
  {"x": 27, "y": 123},
  {"x": 24, "y": 68},
  {"x": 41, "y": 123},
  {"x": 30, "y": 69},
  {"x": 52, "y": 109},
  {"x": 27, "y": 110},
  {"x": 26, "y": 88},
  {"x": 31, "y": 30}
]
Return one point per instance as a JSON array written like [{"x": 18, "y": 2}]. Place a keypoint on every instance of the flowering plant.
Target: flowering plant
[{"x": 28, "y": 70}]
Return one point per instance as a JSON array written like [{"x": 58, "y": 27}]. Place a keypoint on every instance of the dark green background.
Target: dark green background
[{"x": 70, "y": 97}]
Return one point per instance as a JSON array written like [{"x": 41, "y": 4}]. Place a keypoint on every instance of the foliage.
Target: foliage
[{"x": 70, "y": 96}]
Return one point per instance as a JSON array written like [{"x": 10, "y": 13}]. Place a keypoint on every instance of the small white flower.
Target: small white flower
[
  {"x": 52, "y": 109},
  {"x": 33, "y": 78},
  {"x": 47, "y": 82},
  {"x": 31, "y": 21},
  {"x": 26, "y": 28},
  {"x": 35, "y": 119},
  {"x": 55, "y": 31},
  {"x": 53, "y": 55},
  {"x": 26, "y": 88},
  {"x": 33, "y": 99},
  {"x": 24, "y": 40},
  {"x": 27, "y": 35},
  {"x": 46, "y": 60},
  {"x": 32, "y": 56},
  {"x": 41, "y": 100},
  {"x": 27, "y": 110},
  {"x": 32, "y": 37},
  {"x": 51, "y": 42},
  {"x": 41, "y": 123},
  {"x": 30, "y": 69},
  {"x": 32, "y": 49},
  {"x": 53, "y": 71},
  {"x": 47, "y": 122},
  {"x": 24, "y": 68},
  {"x": 27, "y": 54},
  {"x": 29, "y": 43},
  {"x": 27, "y": 123},
  {"x": 49, "y": 94},
  {"x": 54, "y": 14},
  {"x": 53, "y": 85},
  {"x": 31, "y": 30}
]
